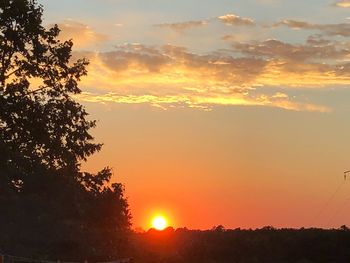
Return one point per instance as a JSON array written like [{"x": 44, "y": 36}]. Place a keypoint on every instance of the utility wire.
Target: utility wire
[
  {"x": 327, "y": 203},
  {"x": 340, "y": 209}
]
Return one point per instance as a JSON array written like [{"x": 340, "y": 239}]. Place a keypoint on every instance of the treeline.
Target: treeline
[{"x": 242, "y": 246}]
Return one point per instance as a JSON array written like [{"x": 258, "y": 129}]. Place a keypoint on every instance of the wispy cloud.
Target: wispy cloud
[
  {"x": 203, "y": 102},
  {"x": 181, "y": 26},
  {"x": 342, "y": 29},
  {"x": 228, "y": 19},
  {"x": 313, "y": 50}
]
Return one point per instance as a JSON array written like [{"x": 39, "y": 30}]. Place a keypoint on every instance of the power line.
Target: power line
[{"x": 327, "y": 203}]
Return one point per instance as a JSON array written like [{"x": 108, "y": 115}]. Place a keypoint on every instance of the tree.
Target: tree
[{"x": 44, "y": 137}]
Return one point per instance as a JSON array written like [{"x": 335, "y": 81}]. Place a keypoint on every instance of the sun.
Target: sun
[{"x": 159, "y": 223}]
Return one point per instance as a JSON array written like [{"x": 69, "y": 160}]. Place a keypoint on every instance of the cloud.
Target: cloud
[
  {"x": 342, "y": 29},
  {"x": 228, "y": 19},
  {"x": 235, "y": 20},
  {"x": 181, "y": 26},
  {"x": 314, "y": 50},
  {"x": 81, "y": 34},
  {"x": 229, "y": 37},
  {"x": 171, "y": 76},
  {"x": 318, "y": 63},
  {"x": 134, "y": 55},
  {"x": 176, "y": 61},
  {"x": 202, "y": 102},
  {"x": 343, "y": 3}
]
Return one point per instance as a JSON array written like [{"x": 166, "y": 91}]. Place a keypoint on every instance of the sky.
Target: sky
[{"x": 231, "y": 112}]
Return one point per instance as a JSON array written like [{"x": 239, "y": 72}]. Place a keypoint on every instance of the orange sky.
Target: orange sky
[
  {"x": 246, "y": 167},
  {"x": 214, "y": 112}
]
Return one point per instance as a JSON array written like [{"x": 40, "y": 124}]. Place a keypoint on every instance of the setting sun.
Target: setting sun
[{"x": 159, "y": 223}]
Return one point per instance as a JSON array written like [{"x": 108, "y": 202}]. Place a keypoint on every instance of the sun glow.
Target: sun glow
[{"x": 159, "y": 223}]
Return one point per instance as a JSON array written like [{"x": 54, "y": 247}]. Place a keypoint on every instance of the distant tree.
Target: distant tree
[
  {"x": 219, "y": 228},
  {"x": 344, "y": 228},
  {"x": 44, "y": 137}
]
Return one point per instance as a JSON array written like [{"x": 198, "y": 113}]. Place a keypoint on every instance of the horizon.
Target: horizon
[
  {"x": 230, "y": 112},
  {"x": 272, "y": 228}
]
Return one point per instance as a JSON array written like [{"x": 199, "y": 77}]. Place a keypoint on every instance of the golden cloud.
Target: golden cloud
[
  {"x": 170, "y": 76},
  {"x": 343, "y": 3},
  {"x": 201, "y": 102},
  {"x": 81, "y": 34},
  {"x": 235, "y": 20}
]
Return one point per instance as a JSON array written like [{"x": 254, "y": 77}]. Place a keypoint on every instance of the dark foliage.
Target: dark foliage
[
  {"x": 243, "y": 246},
  {"x": 49, "y": 208}
]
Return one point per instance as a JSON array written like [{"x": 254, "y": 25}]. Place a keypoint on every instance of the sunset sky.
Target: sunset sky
[{"x": 232, "y": 112}]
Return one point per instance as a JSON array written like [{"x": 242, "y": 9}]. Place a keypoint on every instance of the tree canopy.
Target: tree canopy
[{"x": 44, "y": 137}]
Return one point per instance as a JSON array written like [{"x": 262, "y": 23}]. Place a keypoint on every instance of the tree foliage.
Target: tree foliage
[{"x": 44, "y": 137}]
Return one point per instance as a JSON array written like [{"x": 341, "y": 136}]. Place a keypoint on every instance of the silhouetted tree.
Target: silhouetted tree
[{"x": 44, "y": 137}]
